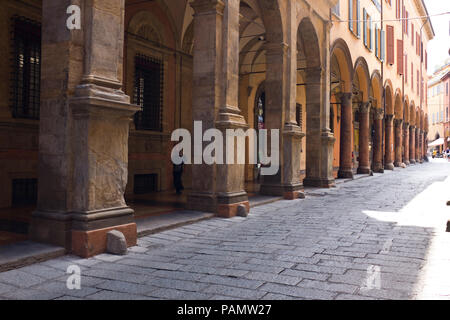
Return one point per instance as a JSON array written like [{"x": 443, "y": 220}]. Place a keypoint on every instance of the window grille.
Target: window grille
[
  {"x": 24, "y": 192},
  {"x": 145, "y": 183},
  {"x": 148, "y": 93},
  {"x": 26, "y": 66}
]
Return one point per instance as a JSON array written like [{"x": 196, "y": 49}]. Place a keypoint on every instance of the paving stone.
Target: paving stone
[
  {"x": 20, "y": 279},
  {"x": 298, "y": 292},
  {"x": 31, "y": 294},
  {"x": 230, "y": 281},
  {"x": 126, "y": 287},
  {"x": 235, "y": 292},
  {"x": 317, "y": 248},
  {"x": 114, "y": 295},
  {"x": 328, "y": 286},
  {"x": 177, "y": 284},
  {"x": 305, "y": 274},
  {"x": 173, "y": 294},
  {"x": 60, "y": 288}
]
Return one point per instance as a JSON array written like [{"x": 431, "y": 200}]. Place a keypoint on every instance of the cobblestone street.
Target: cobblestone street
[{"x": 381, "y": 237}]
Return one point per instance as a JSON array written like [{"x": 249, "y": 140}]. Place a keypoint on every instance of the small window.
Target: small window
[
  {"x": 26, "y": 66},
  {"x": 24, "y": 192},
  {"x": 145, "y": 183},
  {"x": 148, "y": 93}
]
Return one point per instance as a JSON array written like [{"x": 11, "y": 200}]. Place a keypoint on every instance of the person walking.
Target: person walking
[{"x": 177, "y": 177}]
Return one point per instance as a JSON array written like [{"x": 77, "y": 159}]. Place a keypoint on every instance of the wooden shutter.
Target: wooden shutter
[
  {"x": 426, "y": 60},
  {"x": 383, "y": 45},
  {"x": 412, "y": 34},
  {"x": 400, "y": 56},
  {"x": 390, "y": 44}
]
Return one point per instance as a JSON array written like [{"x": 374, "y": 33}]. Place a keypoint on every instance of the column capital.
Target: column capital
[
  {"x": 202, "y": 7},
  {"x": 378, "y": 113},
  {"x": 389, "y": 117},
  {"x": 398, "y": 122},
  {"x": 406, "y": 125},
  {"x": 365, "y": 107},
  {"x": 345, "y": 96}
]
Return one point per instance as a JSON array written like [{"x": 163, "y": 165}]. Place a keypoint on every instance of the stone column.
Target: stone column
[
  {"x": 280, "y": 115},
  {"x": 417, "y": 148},
  {"x": 406, "y": 143},
  {"x": 389, "y": 153},
  {"x": 364, "y": 161},
  {"x": 398, "y": 142},
  {"x": 346, "y": 165},
  {"x": 216, "y": 187},
  {"x": 412, "y": 144},
  {"x": 421, "y": 155},
  {"x": 378, "y": 141},
  {"x": 85, "y": 117}
]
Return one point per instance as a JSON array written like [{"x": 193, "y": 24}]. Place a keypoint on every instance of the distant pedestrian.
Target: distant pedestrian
[{"x": 177, "y": 176}]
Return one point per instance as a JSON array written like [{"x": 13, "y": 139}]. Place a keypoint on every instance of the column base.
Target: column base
[
  {"x": 397, "y": 164},
  {"x": 293, "y": 195},
  {"x": 363, "y": 170},
  {"x": 87, "y": 244},
  {"x": 412, "y": 161},
  {"x": 83, "y": 233},
  {"x": 345, "y": 174},
  {"x": 378, "y": 168},
  {"x": 225, "y": 205},
  {"x": 407, "y": 163},
  {"x": 281, "y": 190},
  {"x": 319, "y": 182},
  {"x": 389, "y": 166}
]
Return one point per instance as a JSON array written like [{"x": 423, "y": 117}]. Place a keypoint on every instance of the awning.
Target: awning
[{"x": 437, "y": 142}]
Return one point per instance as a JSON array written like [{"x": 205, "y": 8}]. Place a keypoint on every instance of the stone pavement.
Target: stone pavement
[{"x": 380, "y": 237}]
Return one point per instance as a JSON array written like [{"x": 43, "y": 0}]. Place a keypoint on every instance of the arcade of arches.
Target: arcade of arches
[{"x": 113, "y": 92}]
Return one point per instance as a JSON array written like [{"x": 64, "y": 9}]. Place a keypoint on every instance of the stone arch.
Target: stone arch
[
  {"x": 361, "y": 72},
  {"x": 406, "y": 109},
  {"x": 341, "y": 56},
  {"x": 188, "y": 39},
  {"x": 270, "y": 11},
  {"x": 398, "y": 105},
  {"x": 422, "y": 116},
  {"x": 412, "y": 114},
  {"x": 309, "y": 70},
  {"x": 148, "y": 25},
  {"x": 376, "y": 85},
  {"x": 389, "y": 97},
  {"x": 418, "y": 124}
]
